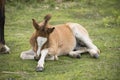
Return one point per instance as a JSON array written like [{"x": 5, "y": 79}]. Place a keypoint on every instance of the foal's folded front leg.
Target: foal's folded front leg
[{"x": 29, "y": 54}]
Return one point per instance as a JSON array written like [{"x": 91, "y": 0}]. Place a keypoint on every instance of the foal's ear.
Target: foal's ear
[
  {"x": 35, "y": 24},
  {"x": 47, "y": 18},
  {"x": 50, "y": 30}
]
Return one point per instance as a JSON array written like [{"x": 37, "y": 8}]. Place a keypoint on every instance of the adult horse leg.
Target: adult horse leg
[{"x": 3, "y": 47}]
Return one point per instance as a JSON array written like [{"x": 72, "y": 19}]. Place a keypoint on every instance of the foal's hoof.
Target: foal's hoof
[
  {"x": 78, "y": 56},
  {"x": 96, "y": 56},
  {"x": 39, "y": 69}
]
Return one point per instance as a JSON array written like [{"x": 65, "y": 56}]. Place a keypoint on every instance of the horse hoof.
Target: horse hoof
[
  {"x": 78, "y": 56},
  {"x": 39, "y": 69},
  {"x": 96, "y": 56}
]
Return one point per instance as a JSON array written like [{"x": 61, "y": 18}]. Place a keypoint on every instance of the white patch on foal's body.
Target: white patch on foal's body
[{"x": 40, "y": 42}]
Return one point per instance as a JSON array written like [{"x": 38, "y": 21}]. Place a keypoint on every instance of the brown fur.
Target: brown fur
[{"x": 57, "y": 44}]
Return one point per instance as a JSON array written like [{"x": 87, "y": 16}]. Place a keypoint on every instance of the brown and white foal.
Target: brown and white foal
[{"x": 50, "y": 41}]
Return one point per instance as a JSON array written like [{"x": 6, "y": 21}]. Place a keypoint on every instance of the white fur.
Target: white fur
[
  {"x": 40, "y": 42},
  {"x": 41, "y": 62},
  {"x": 7, "y": 48},
  {"x": 84, "y": 37},
  {"x": 27, "y": 54}
]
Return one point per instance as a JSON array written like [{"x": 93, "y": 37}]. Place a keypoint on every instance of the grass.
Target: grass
[{"x": 102, "y": 23}]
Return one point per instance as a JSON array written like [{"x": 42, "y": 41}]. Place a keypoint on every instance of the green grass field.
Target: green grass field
[{"x": 101, "y": 19}]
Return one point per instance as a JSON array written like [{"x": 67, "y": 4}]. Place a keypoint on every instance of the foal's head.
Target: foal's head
[{"x": 43, "y": 29}]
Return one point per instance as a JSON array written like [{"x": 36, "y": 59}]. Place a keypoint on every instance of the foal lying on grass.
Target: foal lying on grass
[{"x": 48, "y": 42}]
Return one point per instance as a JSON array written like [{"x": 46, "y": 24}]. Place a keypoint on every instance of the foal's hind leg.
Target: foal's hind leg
[
  {"x": 77, "y": 54},
  {"x": 81, "y": 34},
  {"x": 91, "y": 48}
]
